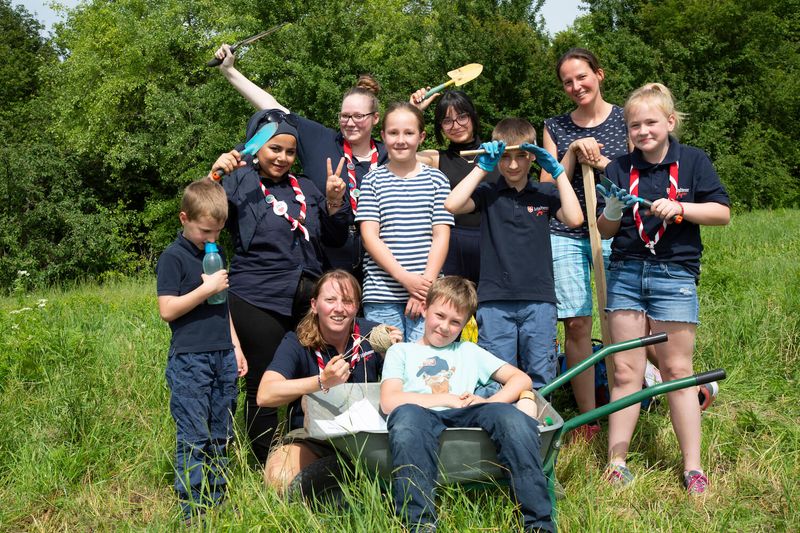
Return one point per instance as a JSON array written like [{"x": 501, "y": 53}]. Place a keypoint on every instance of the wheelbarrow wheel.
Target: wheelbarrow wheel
[{"x": 320, "y": 481}]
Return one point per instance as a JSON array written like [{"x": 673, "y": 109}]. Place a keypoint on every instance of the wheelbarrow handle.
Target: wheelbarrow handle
[
  {"x": 627, "y": 401},
  {"x": 653, "y": 339},
  {"x": 600, "y": 354},
  {"x": 712, "y": 375}
]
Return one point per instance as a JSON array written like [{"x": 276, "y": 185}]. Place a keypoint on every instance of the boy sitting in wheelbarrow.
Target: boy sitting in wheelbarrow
[{"x": 428, "y": 386}]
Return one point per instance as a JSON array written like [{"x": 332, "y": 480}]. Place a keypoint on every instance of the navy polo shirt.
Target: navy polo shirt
[
  {"x": 698, "y": 182},
  {"x": 317, "y": 143},
  {"x": 270, "y": 257},
  {"x": 294, "y": 361},
  {"x": 516, "y": 259},
  {"x": 205, "y": 328}
]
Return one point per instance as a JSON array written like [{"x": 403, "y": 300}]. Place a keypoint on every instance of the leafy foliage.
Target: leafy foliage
[{"x": 121, "y": 112}]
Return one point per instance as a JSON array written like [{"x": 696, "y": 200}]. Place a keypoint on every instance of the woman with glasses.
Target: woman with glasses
[
  {"x": 318, "y": 144},
  {"x": 277, "y": 222},
  {"x": 456, "y": 119}
]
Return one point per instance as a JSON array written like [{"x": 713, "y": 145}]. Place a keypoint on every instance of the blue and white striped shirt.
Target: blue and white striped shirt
[{"x": 406, "y": 209}]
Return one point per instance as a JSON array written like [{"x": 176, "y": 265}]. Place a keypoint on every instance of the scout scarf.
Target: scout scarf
[
  {"x": 352, "y": 185},
  {"x": 282, "y": 210},
  {"x": 672, "y": 194}
]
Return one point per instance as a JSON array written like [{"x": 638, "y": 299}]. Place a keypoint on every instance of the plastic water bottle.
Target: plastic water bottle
[{"x": 212, "y": 262}]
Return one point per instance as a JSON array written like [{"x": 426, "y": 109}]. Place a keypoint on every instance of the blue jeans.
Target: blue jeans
[
  {"x": 202, "y": 401},
  {"x": 522, "y": 334},
  {"x": 414, "y": 441},
  {"x": 393, "y": 314},
  {"x": 666, "y": 292}
]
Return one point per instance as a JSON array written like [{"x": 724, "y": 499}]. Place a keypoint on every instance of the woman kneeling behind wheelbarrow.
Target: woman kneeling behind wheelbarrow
[{"x": 330, "y": 347}]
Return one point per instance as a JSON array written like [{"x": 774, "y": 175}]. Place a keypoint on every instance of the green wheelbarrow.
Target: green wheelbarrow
[{"x": 348, "y": 417}]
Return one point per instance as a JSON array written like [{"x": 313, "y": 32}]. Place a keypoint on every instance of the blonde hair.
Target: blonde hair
[
  {"x": 366, "y": 86},
  {"x": 205, "y": 198},
  {"x": 657, "y": 94},
  {"x": 308, "y": 332},
  {"x": 514, "y": 131},
  {"x": 455, "y": 290}
]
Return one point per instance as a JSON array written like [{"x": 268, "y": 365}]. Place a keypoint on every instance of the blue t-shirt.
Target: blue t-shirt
[
  {"x": 270, "y": 257},
  {"x": 612, "y": 133},
  {"x": 205, "y": 328},
  {"x": 456, "y": 368},
  {"x": 516, "y": 258},
  {"x": 406, "y": 209},
  {"x": 698, "y": 182},
  {"x": 293, "y": 361}
]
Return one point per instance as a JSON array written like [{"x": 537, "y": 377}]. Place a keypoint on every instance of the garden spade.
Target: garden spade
[
  {"x": 458, "y": 77},
  {"x": 254, "y": 144}
]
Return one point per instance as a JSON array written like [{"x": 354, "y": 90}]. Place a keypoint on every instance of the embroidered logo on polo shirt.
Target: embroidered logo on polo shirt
[
  {"x": 680, "y": 193},
  {"x": 539, "y": 209}
]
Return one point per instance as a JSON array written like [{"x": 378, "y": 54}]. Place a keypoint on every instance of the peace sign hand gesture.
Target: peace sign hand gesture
[{"x": 335, "y": 187}]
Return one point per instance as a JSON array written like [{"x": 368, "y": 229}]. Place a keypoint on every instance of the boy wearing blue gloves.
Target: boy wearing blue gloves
[{"x": 516, "y": 294}]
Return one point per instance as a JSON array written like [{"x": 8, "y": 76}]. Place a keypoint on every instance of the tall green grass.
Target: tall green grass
[{"x": 86, "y": 439}]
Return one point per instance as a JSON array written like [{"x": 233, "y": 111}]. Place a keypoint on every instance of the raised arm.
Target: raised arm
[
  {"x": 459, "y": 201},
  {"x": 258, "y": 97}
]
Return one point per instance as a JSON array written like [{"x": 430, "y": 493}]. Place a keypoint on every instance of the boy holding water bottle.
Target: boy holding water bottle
[{"x": 204, "y": 359}]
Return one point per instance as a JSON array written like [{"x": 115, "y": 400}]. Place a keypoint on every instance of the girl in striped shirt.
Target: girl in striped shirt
[{"x": 403, "y": 224}]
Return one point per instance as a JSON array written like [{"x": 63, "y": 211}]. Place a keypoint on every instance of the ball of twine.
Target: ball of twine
[{"x": 380, "y": 339}]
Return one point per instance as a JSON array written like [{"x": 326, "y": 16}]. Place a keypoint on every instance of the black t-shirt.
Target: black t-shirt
[
  {"x": 205, "y": 328},
  {"x": 294, "y": 361},
  {"x": 516, "y": 258},
  {"x": 456, "y": 169},
  {"x": 698, "y": 182}
]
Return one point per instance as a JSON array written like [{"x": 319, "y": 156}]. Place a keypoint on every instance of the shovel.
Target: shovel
[
  {"x": 458, "y": 77},
  {"x": 254, "y": 144}
]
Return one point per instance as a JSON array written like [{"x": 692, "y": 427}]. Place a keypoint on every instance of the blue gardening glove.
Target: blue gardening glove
[
  {"x": 544, "y": 159},
  {"x": 617, "y": 200},
  {"x": 494, "y": 149}
]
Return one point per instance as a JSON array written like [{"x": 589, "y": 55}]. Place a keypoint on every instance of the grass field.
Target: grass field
[{"x": 86, "y": 439}]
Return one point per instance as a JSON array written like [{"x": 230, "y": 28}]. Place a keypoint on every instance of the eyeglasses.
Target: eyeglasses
[
  {"x": 278, "y": 116},
  {"x": 462, "y": 119},
  {"x": 357, "y": 117}
]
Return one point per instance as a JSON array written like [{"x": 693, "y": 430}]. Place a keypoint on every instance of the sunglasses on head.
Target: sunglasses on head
[{"x": 277, "y": 116}]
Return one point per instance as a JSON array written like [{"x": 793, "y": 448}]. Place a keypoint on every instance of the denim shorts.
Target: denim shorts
[
  {"x": 665, "y": 292},
  {"x": 572, "y": 264},
  {"x": 393, "y": 314}
]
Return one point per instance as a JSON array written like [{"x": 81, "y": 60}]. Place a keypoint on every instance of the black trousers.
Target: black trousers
[{"x": 260, "y": 332}]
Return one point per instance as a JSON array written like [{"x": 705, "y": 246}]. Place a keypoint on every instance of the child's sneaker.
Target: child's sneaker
[
  {"x": 707, "y": 393},
  {"x": 618, "y": 475},
  {"x": 695, "y": 482}
]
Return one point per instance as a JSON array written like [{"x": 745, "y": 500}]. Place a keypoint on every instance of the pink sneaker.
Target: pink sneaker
[{"x": 696, "y": 482}]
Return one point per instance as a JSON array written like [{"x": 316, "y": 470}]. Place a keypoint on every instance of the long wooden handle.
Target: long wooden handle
[
  {"x": 597, "y": 261},
  {"x": 482, "y": 151}
]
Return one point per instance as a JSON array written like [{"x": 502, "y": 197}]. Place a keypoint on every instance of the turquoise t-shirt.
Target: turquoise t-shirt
[{"x": 457, "y": 368}]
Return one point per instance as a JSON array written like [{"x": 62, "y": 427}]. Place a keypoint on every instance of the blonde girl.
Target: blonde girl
[{"x": 655, "y": 266}]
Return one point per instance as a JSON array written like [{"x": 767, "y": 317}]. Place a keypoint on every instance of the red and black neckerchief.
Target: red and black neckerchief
[
  {"x": 672, "y": 194},
  {"x": 352, "y": 184}
]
